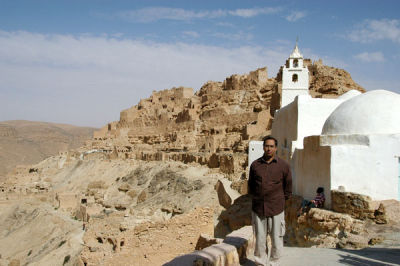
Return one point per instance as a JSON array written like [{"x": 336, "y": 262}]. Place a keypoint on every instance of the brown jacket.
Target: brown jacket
[{"x": 269, "y": 184}]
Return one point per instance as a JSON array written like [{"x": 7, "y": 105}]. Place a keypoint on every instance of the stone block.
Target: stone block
[
  {"x": 236, "y": 247},
  {"x": 219, "y": 255},
  {"x": 205, "y": 241},
  {"x": 225, "y": 198},
  {"x": 244, "y": 241}
]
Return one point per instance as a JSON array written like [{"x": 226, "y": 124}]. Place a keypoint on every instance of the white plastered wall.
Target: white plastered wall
[
  {"x": 370, "y": 169},
  {"x": 284, "y": 129},
  {"x": 312, "y": 167},
  {"x": 302, "y": 81},
  {"x": 364, "y": 164},
  {"x": 289, "y": 95},
  {"x": 312, "y": 114},
  {"x": 305, "y": 116},
  {"x": 256, "y": 150}
]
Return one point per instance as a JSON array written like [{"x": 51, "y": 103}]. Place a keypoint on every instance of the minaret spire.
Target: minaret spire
[
  {"x": 296, "y": 52},
  {"x": 295, "y": 80}
]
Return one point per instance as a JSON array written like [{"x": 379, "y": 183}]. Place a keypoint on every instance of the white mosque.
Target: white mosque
[{"x": 352, "y": 142}]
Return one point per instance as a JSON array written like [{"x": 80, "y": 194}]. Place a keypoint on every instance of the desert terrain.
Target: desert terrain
[
  {"x": 28, "y": 142},
  {"x": 170, "y": 178}
]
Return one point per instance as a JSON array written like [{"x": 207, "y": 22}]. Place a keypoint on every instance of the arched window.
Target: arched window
[
  {"x": 296, "y": 63},
  {"x": 295, "y": 78}
]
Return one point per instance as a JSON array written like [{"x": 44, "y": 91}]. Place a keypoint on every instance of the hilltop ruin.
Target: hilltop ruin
[{"x": 212, "y": 126}]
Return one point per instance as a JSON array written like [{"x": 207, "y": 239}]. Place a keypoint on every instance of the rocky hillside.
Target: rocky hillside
[
  {"x": 83, "y": 209},
  {"x": 28, "y": 142}
]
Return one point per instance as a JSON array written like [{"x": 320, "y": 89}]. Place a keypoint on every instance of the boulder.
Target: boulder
[{"x": 226, "y": 195}]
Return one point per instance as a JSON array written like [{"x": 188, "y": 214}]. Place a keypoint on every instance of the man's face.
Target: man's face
[{"x": 269, "y": 148}]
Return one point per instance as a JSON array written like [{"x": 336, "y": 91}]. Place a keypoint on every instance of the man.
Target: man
[{"x": 270, "y": 184}]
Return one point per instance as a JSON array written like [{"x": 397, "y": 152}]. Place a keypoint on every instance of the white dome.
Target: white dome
[
  {"x": 374, "y": 112},
  {"x": 348, "y": 95}
]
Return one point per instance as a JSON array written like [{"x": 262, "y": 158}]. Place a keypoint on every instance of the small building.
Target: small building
[
  {"x": 357, "y": 150},
  {"x": 351, "y": 142}
]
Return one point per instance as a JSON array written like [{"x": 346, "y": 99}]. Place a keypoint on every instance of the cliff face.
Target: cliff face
[{"x": 212, "y": 126}]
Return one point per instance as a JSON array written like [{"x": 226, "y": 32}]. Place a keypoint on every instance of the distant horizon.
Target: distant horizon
[
  {"x": 49, "y": 122},
  {"x": 83, "y": 62}
]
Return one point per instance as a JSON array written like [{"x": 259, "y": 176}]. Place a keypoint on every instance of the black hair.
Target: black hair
[
  {"x": 270, "y": 137},
  {"x": 320, "y": 190}
]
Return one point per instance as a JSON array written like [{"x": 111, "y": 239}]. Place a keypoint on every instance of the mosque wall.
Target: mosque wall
[
  {"x": 364, "y": 164},
  {"x": 312, "y": 114},
  {"x": 290, "y": 94},
  {"x": 305, "y": 116},
  {"x": 311, "y": 166},
  {"x": 368, "y": 169},
  {"x": 284, "y": 129}
]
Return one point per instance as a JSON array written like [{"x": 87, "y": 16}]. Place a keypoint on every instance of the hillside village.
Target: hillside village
[{"x": 170, "y": 177}]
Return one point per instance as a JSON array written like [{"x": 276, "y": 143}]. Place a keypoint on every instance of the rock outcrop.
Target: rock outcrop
[{"x": 329, "y": 82}]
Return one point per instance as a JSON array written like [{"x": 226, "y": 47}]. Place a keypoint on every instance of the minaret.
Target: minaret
[{"x": 294, "y": 77}]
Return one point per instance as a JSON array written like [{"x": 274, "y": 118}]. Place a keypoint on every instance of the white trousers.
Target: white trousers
[{"x": 275, "y": 226}]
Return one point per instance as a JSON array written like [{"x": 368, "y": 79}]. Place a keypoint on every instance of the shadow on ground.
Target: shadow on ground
[{"x": 371, "y": 256}]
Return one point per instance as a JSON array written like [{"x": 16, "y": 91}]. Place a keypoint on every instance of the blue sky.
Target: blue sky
[{"x": 82, "y": 62}]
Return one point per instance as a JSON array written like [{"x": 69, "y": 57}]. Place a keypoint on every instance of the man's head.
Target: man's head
[{"x": 270, "y": 146}]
